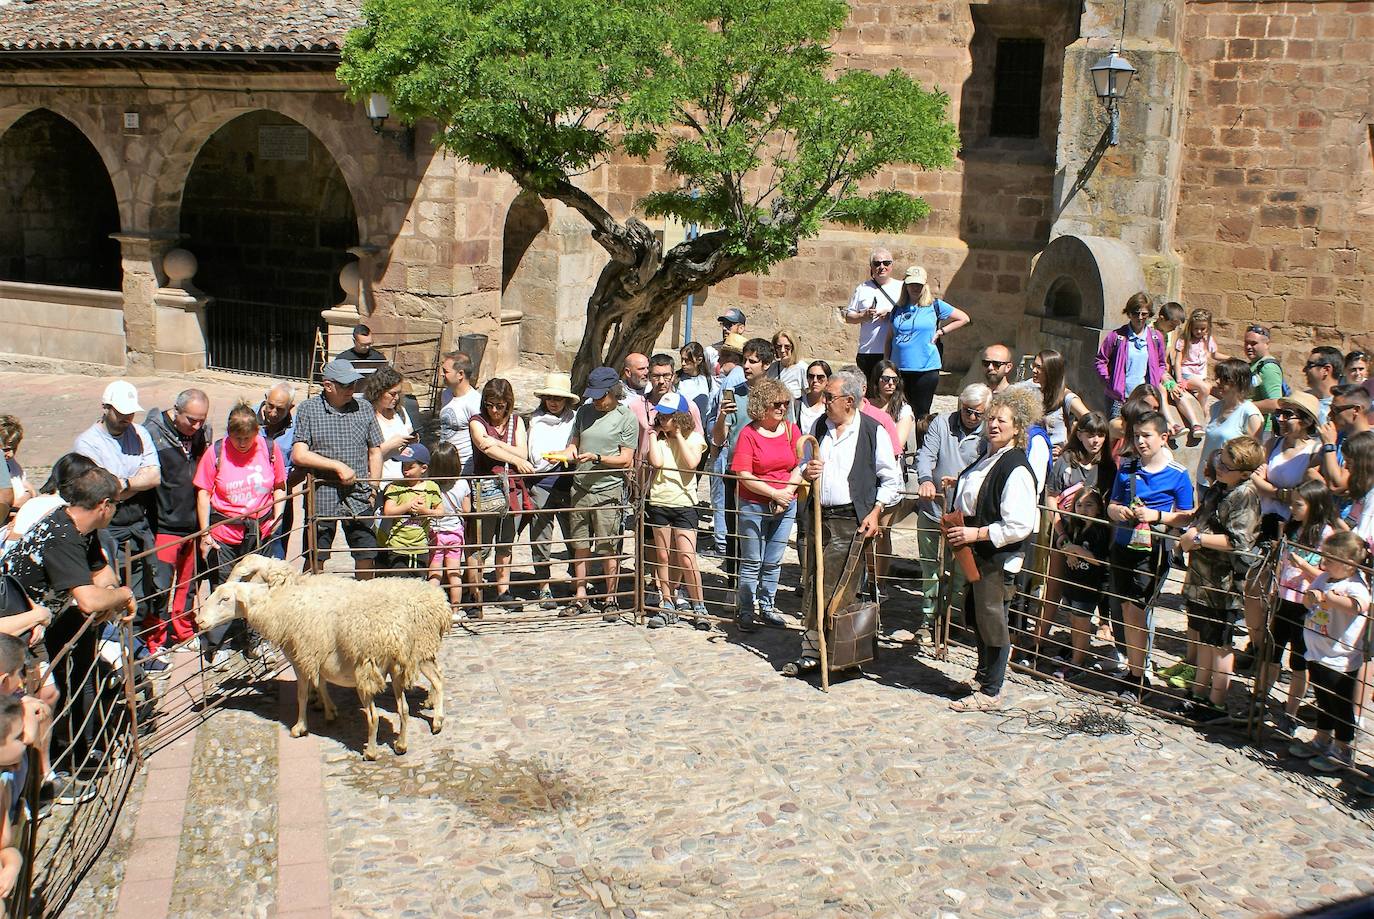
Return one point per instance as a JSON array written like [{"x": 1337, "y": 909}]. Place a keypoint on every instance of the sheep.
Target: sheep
[{"x": 350, "y": 633}]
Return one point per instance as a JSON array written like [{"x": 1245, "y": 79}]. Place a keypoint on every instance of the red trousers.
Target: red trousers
[{"x": 176, "y": 571}]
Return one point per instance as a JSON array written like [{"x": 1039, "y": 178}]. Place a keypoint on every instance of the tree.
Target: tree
[{"x": 736, "y": 99}]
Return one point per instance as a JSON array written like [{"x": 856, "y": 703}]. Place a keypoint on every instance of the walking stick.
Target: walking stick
[{"x": 807, "y": 445}]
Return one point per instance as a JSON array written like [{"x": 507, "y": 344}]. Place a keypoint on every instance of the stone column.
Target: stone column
[
  {"x": 1131, "y": 194},
  {"x": 180, "y": 311},
  {"x": 141, "y": 256}
]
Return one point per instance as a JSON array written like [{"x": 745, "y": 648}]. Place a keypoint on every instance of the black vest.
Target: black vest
[
  {"x": 987, "y": 510},
  {"x": 863, "y": 472}
]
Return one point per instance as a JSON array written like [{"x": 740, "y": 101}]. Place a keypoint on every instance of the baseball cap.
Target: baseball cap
[
  {"x": 672, "y": 402},
  {"x": 601, "y": 381},
  {"x": 731, "y": 316},
  {"x": 415, "y": 453},
  {"x": 122, "y": 397},
  {"x": 915, "y": 275},
  {"x": 341, "y": 372}
]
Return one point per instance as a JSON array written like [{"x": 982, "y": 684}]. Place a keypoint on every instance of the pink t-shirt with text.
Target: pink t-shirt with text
[
  {"x": 769, "y": 458},
  {"x": 240, "y": 483}
]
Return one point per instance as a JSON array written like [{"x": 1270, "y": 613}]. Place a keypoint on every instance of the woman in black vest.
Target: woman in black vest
[{"x": 999, "y": 500}]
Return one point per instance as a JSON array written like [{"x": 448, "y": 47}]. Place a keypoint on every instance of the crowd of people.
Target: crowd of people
[{"x": 1034, "y": 512}]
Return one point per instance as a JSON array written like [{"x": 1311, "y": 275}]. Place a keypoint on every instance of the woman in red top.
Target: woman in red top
[{"x": 765, "y": 461}]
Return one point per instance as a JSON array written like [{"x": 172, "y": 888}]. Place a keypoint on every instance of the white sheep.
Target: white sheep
[{"x": 351, "y": 633}]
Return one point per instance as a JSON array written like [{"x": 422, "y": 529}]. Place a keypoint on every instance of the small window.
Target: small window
[{"x": 1016, "y": 88}]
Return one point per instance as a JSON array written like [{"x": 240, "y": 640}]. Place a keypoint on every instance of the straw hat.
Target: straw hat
[
  {"x": 735, "y": 340},
  {"x": 1302, "y": 402},
  {"x": 557, "y": 384}
]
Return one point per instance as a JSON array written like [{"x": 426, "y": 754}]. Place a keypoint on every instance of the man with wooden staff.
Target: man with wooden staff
[{"x": 854, "y": 476}]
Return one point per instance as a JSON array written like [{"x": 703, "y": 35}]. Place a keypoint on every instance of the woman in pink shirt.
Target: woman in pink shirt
[
  {"x": 765, "y": 461},
  {"x": 240, "y": 492}
]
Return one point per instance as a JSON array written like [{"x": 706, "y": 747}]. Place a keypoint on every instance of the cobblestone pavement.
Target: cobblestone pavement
[{"x": 604, "y": 770}]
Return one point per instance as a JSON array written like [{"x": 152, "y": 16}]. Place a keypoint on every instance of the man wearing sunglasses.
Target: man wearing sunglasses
[
  {"x": 1267, "y": 376},
  {"x": 1349, "y": 415},
  {"x": 1323, "y": 369},
  {"x": 951, "y": 444},
  {"x": 997, "y": 364},
  {"x": 873, "y": 300}
]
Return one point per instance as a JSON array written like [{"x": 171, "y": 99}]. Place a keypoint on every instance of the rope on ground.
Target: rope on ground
[{"x": 1067, "y": 719}]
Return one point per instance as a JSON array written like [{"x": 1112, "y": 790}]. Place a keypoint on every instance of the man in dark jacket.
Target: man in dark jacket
[{"x": 180, "y": 436}]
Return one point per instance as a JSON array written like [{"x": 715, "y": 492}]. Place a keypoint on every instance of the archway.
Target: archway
[
  {"x": 268, "y": 214},
  {"x": 529, "y": 281},
  {"x": 59, "y": 206}
]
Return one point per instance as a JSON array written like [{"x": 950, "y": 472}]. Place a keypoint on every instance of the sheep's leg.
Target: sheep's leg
[
  {"x": 330, "y": 711},
  {"x": 370, "y": 710},
  {"x": 302, "y": 704},
  {"x": 402, "y": 714},
  {"x": 436, "y": 694}
]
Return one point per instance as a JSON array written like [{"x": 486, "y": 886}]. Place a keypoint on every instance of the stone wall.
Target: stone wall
[{"x": 1277, "y": 193}]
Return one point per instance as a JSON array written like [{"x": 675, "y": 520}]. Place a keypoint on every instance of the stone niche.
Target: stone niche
[{"x": 1078, "y": 287}]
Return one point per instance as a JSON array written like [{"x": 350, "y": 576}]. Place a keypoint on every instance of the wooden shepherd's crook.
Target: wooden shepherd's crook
[{"x": 815, "y": 545}]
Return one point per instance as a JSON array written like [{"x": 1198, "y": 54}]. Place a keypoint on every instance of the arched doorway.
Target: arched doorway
[
  {"x": 529, "y": 282},
  {"x": 58, "y": 206},
  {"x": 270, "y": 218}
]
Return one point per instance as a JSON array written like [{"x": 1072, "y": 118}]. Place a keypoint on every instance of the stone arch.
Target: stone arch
[
  {"x": 529, "y": 280},
  {"x": 1078, "y": 286},
  {"x": 268, "y": 214},
  {"x": 159, "y": 201},
  {"x": 59, "y": 202}
]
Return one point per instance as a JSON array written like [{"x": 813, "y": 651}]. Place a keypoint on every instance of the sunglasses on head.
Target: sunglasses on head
[{"x": 1258, "y": 330}]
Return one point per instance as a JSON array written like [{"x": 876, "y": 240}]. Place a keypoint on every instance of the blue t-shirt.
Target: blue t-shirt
[
  {"x": 1137, "y": 358},
  {"x": 1169, "y": 489},
  {"x": 913, "y": 333}
]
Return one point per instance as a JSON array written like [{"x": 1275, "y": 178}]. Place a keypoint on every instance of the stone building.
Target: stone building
[{"x": 185, "y": 181}]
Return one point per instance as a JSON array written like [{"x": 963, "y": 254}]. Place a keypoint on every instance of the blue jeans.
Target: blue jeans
[
  {"x": 718, "y": 501},
  {"x": 762, "y": 540}
]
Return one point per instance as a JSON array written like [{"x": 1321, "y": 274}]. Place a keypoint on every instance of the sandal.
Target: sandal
[
  {"x": 978, "y": 703},
  {"x": 801, "y": 666},
  {"x": 575, "y": 608}
]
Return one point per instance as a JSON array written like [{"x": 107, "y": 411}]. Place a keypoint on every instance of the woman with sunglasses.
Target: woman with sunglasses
[
  {"x": 789, "y": 369},
  {"x": 810, "y": 408},
  {"x": 765, "y": 460},
  {"x": 1131, "y": 354},
  {"x": 920, "y": 321},
  {"x": 499, "y": 449}
]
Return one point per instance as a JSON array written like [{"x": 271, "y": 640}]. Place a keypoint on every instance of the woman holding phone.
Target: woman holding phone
[{"x": 383, "y": 389}]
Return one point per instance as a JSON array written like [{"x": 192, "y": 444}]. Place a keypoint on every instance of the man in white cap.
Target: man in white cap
[
  {"x": 337, "y": 439},
  {"x": 126, "y": 451}
]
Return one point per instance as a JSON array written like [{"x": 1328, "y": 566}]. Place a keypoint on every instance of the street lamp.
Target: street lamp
[
  {"x": 378, "y": 108},
  {"x": 1112, "y": 78}
]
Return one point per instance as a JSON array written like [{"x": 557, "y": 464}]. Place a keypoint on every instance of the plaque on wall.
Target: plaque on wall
[{"x": 283, "y": 142}]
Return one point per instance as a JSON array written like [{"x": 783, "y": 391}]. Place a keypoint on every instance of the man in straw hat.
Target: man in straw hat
[{"x": 550, "y": 429}]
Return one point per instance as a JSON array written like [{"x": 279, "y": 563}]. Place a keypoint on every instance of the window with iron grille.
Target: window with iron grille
[{"x": 1016, "y": 87}]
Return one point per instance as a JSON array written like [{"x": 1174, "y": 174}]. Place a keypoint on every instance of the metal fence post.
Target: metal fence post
[{"x": 126, "y": 654}]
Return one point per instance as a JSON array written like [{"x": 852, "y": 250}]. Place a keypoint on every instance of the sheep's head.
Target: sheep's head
[
  {"x": 228, "y": 601},
  {"x": 259, "y": 569}
]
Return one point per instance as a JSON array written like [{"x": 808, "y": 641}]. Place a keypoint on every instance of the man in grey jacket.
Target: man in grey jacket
[{"x": 950, "y": 444}]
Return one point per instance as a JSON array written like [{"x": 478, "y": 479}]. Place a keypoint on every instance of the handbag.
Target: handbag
[
  {"x": 492, "y": 495},
  {"x": 851, "y": 633},
  {"x": 1142, "y": 537}
]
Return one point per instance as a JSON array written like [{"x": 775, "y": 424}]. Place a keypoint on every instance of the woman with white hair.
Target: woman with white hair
[{"x": 999, "y": 500}]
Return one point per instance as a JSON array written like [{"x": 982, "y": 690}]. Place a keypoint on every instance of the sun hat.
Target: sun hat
[
  {"x": 557, "y": 384},
  {"x": 915, "y": 275},
  {"x": 122, "y": 397},
  {"x": 601, "y": 381},
  {"x": 1302, "y": 402}
]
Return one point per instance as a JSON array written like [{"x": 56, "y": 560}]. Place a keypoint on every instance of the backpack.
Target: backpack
[{"x": 1285, "y": 389}]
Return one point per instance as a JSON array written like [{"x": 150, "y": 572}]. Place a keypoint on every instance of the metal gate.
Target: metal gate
[{"x": 265, "y": 338}]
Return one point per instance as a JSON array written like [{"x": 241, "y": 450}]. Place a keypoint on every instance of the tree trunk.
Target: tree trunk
[{"x": 630, "y": 305}]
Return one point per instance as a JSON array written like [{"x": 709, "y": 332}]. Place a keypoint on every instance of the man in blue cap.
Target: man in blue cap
[
  {"x": 603, "y": 442},
  {"x": 337, "y": 439}
]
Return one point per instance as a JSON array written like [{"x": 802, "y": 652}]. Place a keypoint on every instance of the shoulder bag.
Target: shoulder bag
[{"x": 851, "y": 633}]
